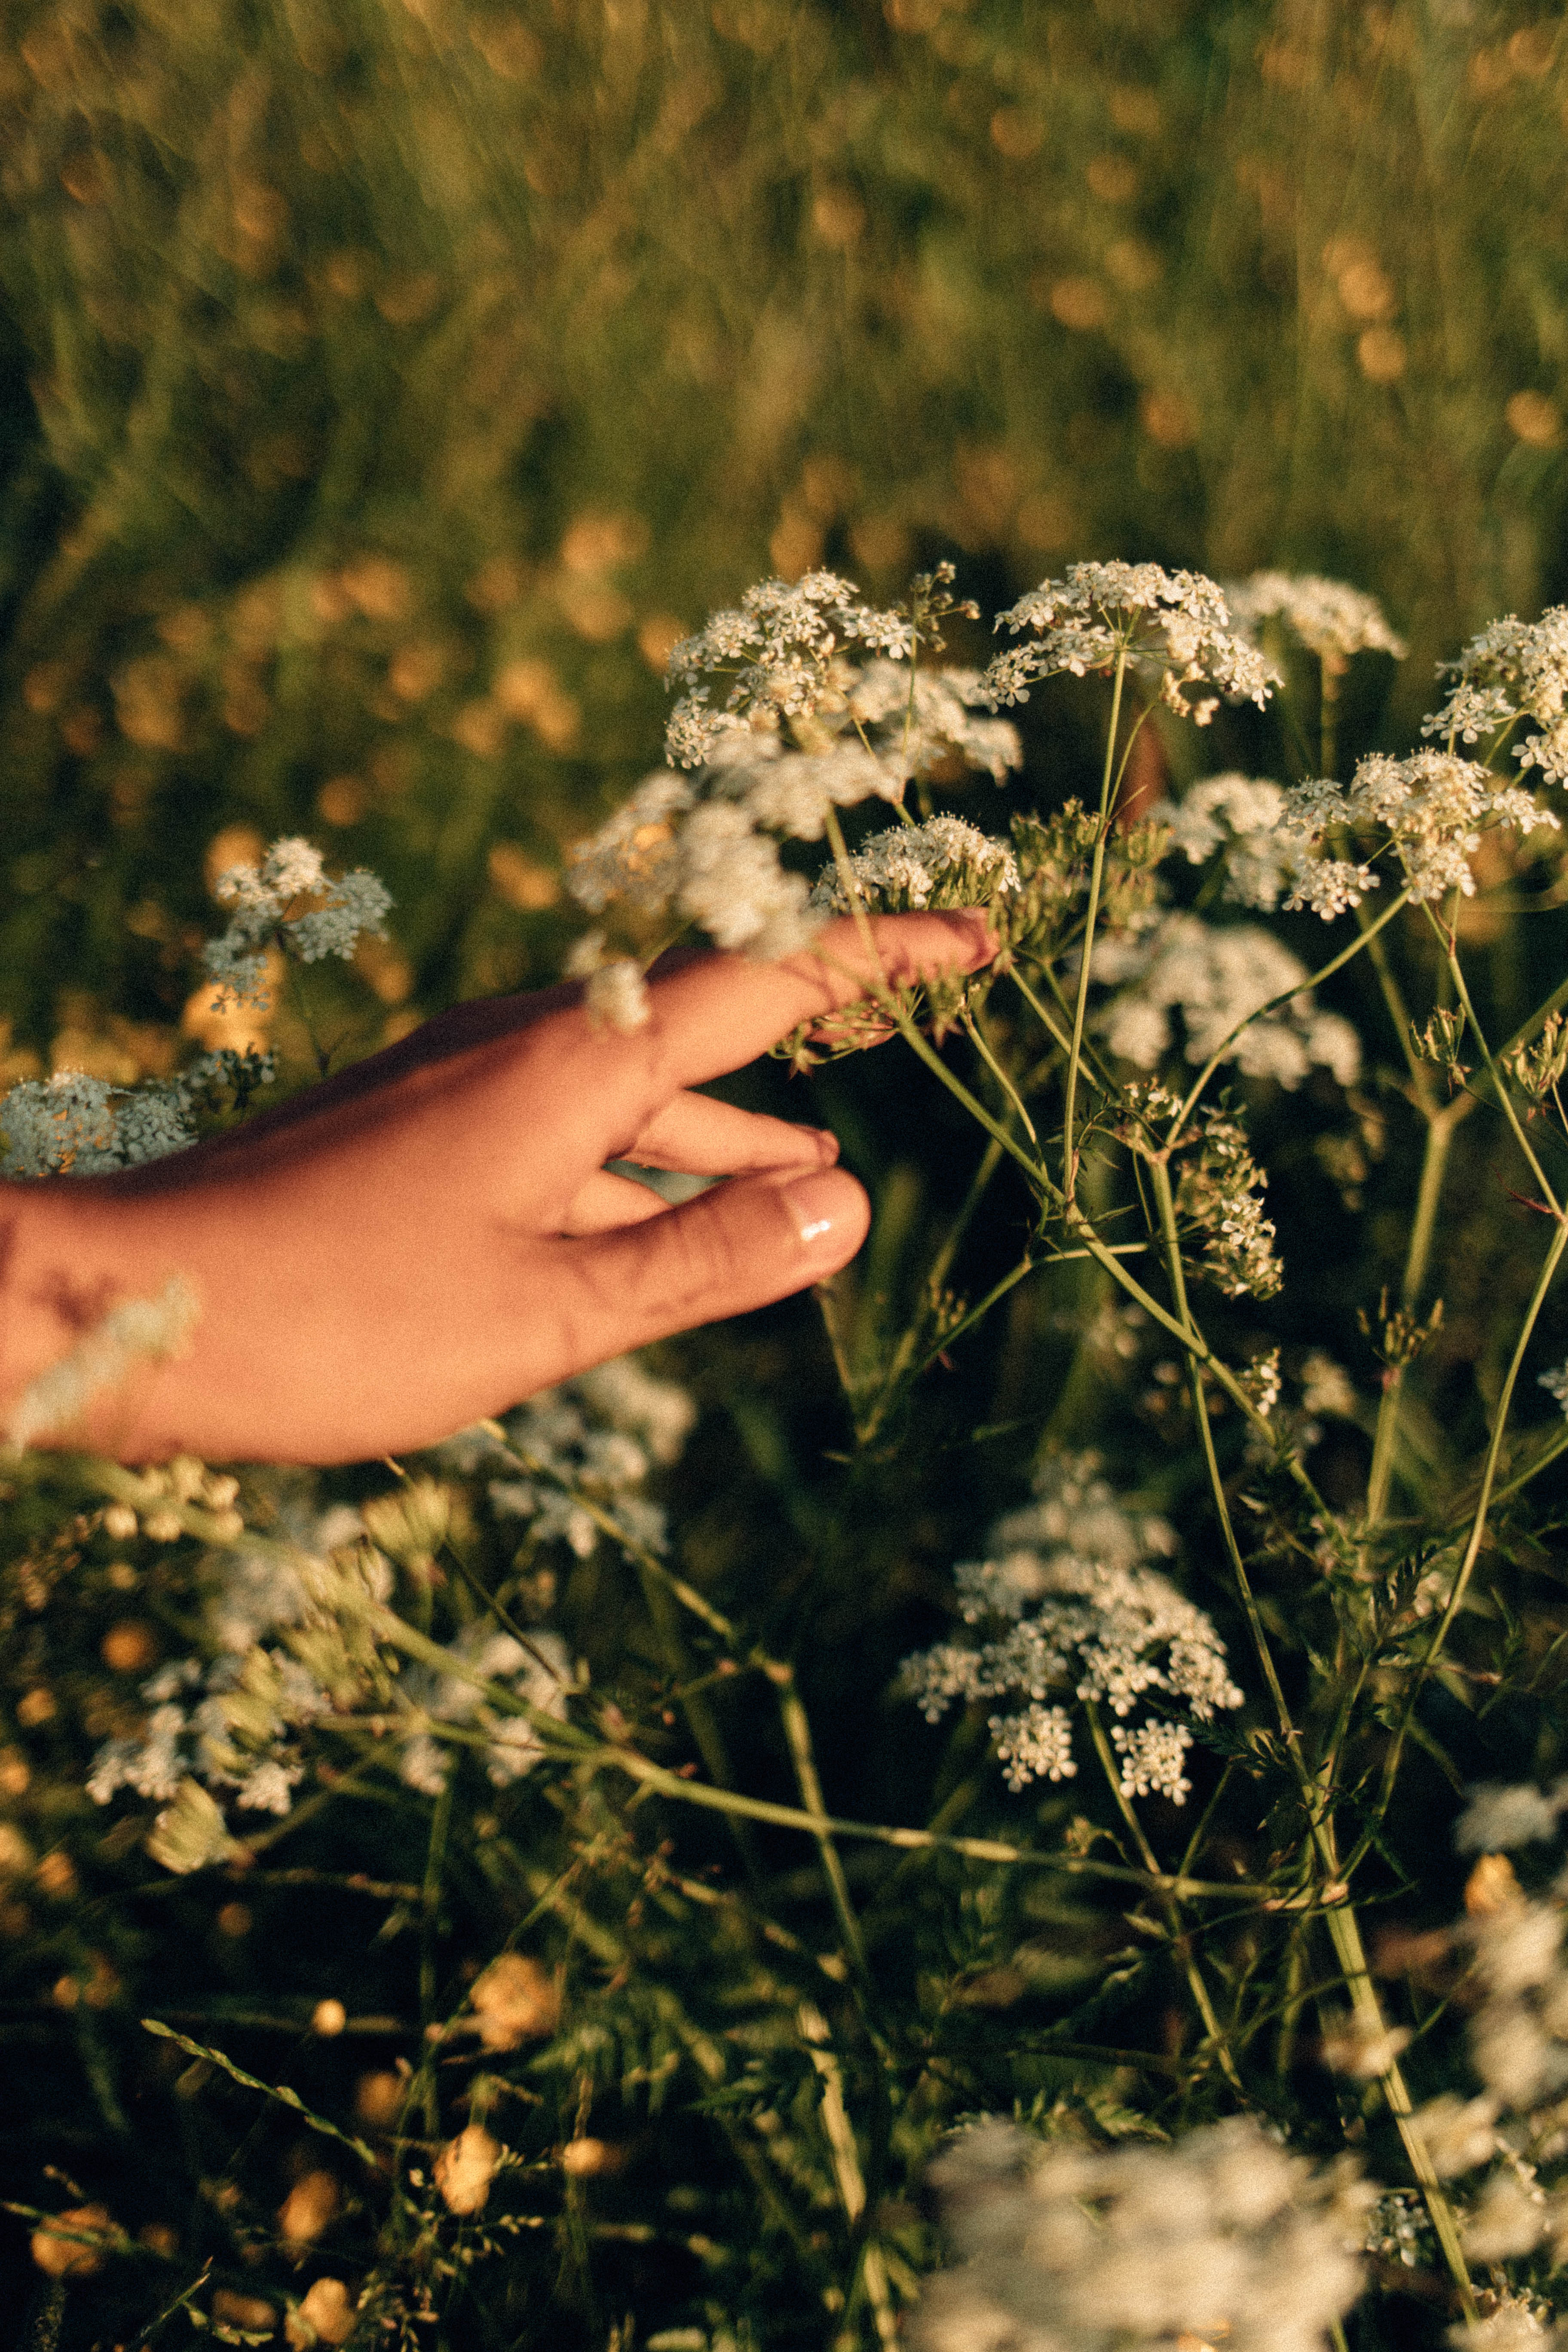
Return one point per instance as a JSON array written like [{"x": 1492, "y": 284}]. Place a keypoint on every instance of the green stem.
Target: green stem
[
  {"x": 797, "y": 1734},
  {"x": 1342, "y": 1925},
  {"x": 1472, "y": 1547},
  {"x": 1109, "y": 778},
  {"x": 1160, "y": 1177},
  {"x": 1180, "y": 1942},
  {"x": 1345, "y": 1932},
  {"x": 1324, "y": 971},
  {"x": 1504, "y": 1100},
  {"x": 1440, "y": 1126},
  {"x": 977, "y": 1038}
]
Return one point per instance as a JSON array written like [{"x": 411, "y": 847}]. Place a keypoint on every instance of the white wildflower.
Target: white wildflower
[
  {"x": 139, "y": 1331},
  {"x": 1399, "y": 2229},
  {"x": 1459, "y": 2133},
  {"x": 1519, "y": 2033},
  {"x": 538, "y": 1673},
  {"x": 1509, "y": 2219},
  {"x": 617, "y": 995},
  {"x": 1071, "y": 1601},
  {"x": 1496, "y": 1818},
  {"x": 1353, "y": 2046},
  {"x": 1555, "y": 1383},
  {"x": 1242, "y": 816},
  {"x": 778, "y": 650},
  {"x": 804, "y": 732},
  {"x": 272, "y": 908},
  {"x": 1516, "y": 2322},
  {"x": 941, "y": 862},
  {"x": 1432, "y": 807},
  {"x": 1034, "y": 1745},
  {"x": 935, "y": 720},
  {"x": 562, "y": 1430},
  {"x": 1514, "y": 669},
  {"x": 1331, "y": 619},
  {"x": 1217, "y": 980},
  {"x": 1175, "y": 626},
  {"x": 1152, "y": 1756},
  {"x": 76, "y": 1125},
  {"x": 1223, "y": 2237}
]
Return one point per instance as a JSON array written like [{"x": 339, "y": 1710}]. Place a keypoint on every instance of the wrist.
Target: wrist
[{"x": 80, "y": 1326}]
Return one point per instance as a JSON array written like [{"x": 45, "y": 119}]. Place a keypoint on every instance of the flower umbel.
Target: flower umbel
[
  {"x": 1331, "y": 619},
  {"x": 1513, "y": 670},
  {"x": 290, "y": 902},
  {"x": 1175, "y": 626},
  {"x": 1070, "y": 1601}
]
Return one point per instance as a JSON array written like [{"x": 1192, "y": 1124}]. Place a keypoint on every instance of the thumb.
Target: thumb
[{"x": 738, "y": 1245}]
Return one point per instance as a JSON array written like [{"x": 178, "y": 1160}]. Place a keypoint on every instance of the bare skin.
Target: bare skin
[{"x": 434, "y": 1234}]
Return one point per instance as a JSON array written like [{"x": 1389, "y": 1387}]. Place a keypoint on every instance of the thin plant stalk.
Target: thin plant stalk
[
  {"x": 1109, "y": 780},
  {"x": 1440, "y": 1126},
  {"x": 1343, "y": 1930},
  {"x": 1181, "y": 1943}
]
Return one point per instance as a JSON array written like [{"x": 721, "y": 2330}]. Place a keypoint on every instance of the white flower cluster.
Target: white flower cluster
[
  {"x": 1217, "y": 979},
  {"x": 1514, "y": 669},
  {"x": 1519, "y": 2033},
  {"x": 1433, "y": 806},
  {"x": 1332, "y": 619},
  {"x": 225, "y": 1730},
  {"x": 941, "y": 862},
  {"x": 1219, "y": 1196},
  {"x": 1241, "y": 815},
  {"x": 779, "y": 649},
  {"x": 1399, "y": 2229},
  {"x": 1174, "y": 625},
  {"x": 596, "y": 1437},
  {"x": 1071, "y": 1600},
  {"x": 1500, "y": 1816},
  {"x": 538, "y": 1671},
  {"x": 1555, "y": 1383},
  {"x": 231, "y": 1722},
  {"x": 937, "y": 715},
  {"x": 80, "y": 1126},
  {"x": 288, "y": 902},
  {"x": 1222, "y": 2238},
  {"x": 707, "y": 846}
]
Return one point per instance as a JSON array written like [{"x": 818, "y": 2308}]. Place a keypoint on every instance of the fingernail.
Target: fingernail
[{"x": 815, "y": 1204}]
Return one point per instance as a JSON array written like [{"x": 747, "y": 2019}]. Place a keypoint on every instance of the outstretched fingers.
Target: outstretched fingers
[
  {"x": 714, "y": 1139},
  {"x": 737, "y": 1247},
  {"x": 720, "y": 1012}
]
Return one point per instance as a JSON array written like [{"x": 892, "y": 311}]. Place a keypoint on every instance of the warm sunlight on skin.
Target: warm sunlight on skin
[{"x": 433, "y": 1235}]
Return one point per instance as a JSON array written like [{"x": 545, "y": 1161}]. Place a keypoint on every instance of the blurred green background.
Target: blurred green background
[
  {"x": 384, "y": 387},
  {"x": 387, "y": 383}
]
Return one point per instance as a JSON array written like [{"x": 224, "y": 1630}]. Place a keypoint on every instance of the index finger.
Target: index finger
[{"x": 720, "y": 1012}]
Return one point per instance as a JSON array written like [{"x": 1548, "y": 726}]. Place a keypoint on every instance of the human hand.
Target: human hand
[{"x": 432, "y": 1235}]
